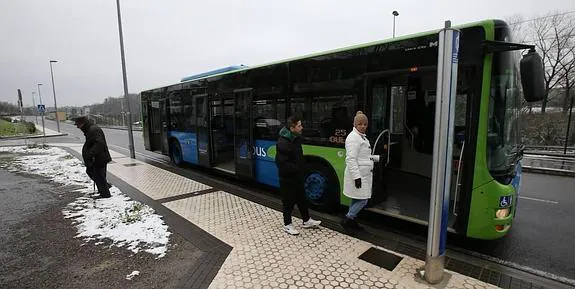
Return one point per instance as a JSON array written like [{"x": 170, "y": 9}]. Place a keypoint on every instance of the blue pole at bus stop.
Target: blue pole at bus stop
[{"x": 442, "y": 153}]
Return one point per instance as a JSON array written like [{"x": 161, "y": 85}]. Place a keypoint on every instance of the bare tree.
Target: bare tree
[
  {"x": 7, "y": 108},
  {"x": 520, "y": 34},
  {"x": 517, "y": 25},
  {"x": 553, "y": 38},
  {"x": 568, "y": 78}
]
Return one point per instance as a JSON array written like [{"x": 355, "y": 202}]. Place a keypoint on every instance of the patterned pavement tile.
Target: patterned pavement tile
[{"x": 263, "y": 255}]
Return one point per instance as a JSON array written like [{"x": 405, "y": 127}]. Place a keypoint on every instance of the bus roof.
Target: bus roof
[
  {"x": 490, "y": 23},
  {"x": 213, "y": 72}
]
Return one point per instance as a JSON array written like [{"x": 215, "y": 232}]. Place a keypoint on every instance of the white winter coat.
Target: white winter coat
[{"x": 358, "y": 164}]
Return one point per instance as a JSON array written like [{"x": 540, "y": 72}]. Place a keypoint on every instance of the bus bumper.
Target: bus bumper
[{"x": 492, "y": 211}]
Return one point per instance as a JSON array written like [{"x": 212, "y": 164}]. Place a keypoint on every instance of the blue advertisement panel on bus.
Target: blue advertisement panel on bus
[
  {"x": 266, "y": 170},
  {"x": 188, "y": 143}
]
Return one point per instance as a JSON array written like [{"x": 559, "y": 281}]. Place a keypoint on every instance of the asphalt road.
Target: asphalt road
[
  {"x": 543, "y": 233},
  {"x": 542, "y": 236}
]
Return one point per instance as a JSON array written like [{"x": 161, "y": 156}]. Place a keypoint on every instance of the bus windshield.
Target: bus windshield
[{"x": 503, "y": 141}]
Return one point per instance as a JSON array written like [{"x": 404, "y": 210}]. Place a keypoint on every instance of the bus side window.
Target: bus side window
[
  {"x": 189, "y": 113},
  {"x": 331, "y": 118},
  {"x": 268, "y": 115}
]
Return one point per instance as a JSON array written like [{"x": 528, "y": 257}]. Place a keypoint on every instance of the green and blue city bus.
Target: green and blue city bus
[{"x": 229, "y": 120}]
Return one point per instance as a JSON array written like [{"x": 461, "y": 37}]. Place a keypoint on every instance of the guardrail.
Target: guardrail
[
  {"x": 136, "y": 128},
  {"x": 549, "y": 163}
]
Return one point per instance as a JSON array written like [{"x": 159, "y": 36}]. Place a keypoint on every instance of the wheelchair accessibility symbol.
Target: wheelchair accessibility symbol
[{"x": 505, "y": 201}]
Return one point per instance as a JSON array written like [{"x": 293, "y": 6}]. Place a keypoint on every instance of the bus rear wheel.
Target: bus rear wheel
[
  {"x": 176, "y": 153},
  {"x": 321, "y": 187}
]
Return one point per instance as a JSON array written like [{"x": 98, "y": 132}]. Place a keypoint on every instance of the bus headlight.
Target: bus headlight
[{"x": 502, "y": 213}]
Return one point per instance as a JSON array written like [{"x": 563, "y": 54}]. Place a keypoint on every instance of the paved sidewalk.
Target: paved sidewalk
[{"x": 263, "y": 256}]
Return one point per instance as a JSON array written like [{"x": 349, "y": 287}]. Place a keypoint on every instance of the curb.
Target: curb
[
  {"x": 546, "y": 171},
  {"x": 32, "y": 137},
  {"x": 121, "y": 128}
]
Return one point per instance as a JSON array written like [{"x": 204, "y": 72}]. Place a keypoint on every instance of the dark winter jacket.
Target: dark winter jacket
[
  {"x": 289, "y": 156},
  {"x": 95, "y": 150}
]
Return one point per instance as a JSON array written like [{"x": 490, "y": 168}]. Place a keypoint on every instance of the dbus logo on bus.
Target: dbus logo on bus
[{"x": 260, "y": 152}]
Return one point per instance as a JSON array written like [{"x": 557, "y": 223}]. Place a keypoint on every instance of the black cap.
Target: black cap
[{"x": 80, "y": 119}]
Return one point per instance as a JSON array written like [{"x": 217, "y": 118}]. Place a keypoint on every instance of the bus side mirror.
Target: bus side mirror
[{"x": 532, "y": 76}]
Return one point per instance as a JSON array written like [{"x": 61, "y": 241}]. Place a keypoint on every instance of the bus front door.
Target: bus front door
[
  {"x": 203, "y": 129},
  {"x": 243, "y": 138},
  {"x": 385, "y": 106},
  {"x": 402, "y": 106}
]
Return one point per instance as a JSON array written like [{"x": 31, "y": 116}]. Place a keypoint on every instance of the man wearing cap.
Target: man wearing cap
[{"x": 95, "y": 154}]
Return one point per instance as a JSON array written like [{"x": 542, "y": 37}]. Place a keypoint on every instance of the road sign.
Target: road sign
[{"x": 41, "y": 108}]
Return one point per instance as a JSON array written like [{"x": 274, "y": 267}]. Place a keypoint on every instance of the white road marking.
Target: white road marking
[{"x": 539, "y": 200}]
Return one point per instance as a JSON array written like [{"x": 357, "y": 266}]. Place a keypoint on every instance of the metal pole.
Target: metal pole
[
  {"x": 395, "y": 14},
  {"x": 568, "y": 123},
  {"x": 43, "y": 128},
  {"x": 21, "y": 105},
  {"x": 41, "y": 102},
  {"x": 442, "y": 153},
  {"x": 122, "y": 113},
  {"x": 393, "y": 26},
  {"x": 40, "y": 94},
  {"x": 54, "y": 92},
  {"x": 130, "y": 135},
  {"x": 35, "y": 109}
]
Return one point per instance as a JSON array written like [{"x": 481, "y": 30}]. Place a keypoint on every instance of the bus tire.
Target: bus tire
[
  {"x": 321, "y": 187},
  {"x": 176, "y": 153}
]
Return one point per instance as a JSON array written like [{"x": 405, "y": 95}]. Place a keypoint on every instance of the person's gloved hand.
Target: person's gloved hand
[{"x": 358, "y": 183}]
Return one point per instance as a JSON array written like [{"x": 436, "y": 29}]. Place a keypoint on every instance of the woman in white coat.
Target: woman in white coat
[{"x": 358, "y": 171}]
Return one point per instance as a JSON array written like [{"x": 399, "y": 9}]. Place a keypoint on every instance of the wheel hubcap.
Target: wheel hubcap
[{"x": 315, "y": 187}]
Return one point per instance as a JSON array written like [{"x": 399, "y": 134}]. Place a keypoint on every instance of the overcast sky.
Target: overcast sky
[{"x": 166, "y": 40}]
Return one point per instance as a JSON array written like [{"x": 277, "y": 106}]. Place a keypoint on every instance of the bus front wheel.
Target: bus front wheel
[{"x": 321, "y": 187}]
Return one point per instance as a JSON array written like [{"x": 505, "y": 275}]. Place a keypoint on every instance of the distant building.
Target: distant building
[
  {"x": 61, "y": 115},
  {"x": 85, "y": 111}
]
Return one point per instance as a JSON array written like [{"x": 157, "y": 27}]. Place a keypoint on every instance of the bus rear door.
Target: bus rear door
[
  {"x": 155, "y": 125},
  {"x": 164, "y": 128},
  {"x": 158, "y": 126},
  {"x": 243, "y": 139},
  {"x": 203, "y": 129}
]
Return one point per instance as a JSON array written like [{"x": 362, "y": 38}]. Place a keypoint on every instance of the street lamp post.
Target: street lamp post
[
  {"x": 54, "y": 92},
  {"x": 40, "y": 94},
  {"x": 395, "y": 14},
  {"x": 41, "y": 102},
  {"x": 128, "y": 114},
  {"x": 568, "y": 123},
  {"x": 35, "y": 109}
]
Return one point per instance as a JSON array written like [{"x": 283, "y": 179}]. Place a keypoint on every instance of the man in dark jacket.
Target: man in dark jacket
[
  {"x": 290, "y": 162},
  {"x": 95, "y": 154}
]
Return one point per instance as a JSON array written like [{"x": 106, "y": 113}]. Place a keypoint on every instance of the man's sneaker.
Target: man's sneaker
[
  {"x": 290, "y": 230},
  {"x": 311, "y": 223}
]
